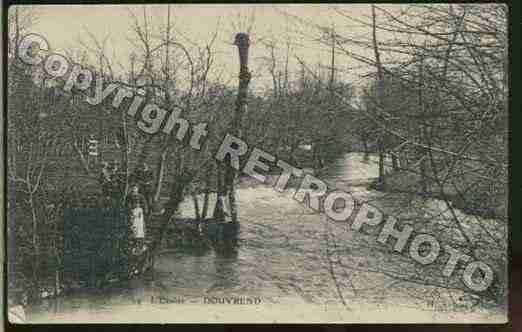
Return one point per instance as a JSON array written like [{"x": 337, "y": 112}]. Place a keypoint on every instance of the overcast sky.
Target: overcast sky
[{"x": 64, "y": 25}]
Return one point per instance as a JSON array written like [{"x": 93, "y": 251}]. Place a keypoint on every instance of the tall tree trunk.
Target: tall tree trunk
[
  {"x": 206, "y": 198},
  {"x": 381, "y": 179},
  {"x": 176, "y": 197},
  {"x": 160, "y": 174},
  {"x": 380, "y": 95},
  {"x": 332, "y": 64},
  {"x": 125, "y": 151},
  {"x": 196, "y": 206},
  {"x": 424, "y": 184},
  {"x": 35, "y": 291},
  {"x": 219, "y": 213},
  {"x": 395, "y": 162},
  {"x": 162, "y": 163},
  {"x": 231, "y": 194},
  {"x": 242, "y": 42},
  {"x": 422, "y": 153}
]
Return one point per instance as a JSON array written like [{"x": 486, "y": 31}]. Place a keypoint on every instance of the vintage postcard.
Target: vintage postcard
[{"x": 241, "y": 163}]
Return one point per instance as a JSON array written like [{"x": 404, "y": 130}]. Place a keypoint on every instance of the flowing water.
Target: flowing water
[{"x": 286, "y": 254}]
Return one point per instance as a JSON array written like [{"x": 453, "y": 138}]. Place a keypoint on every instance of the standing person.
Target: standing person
[
  {"x": 137, "y": 208},
  {"x": 92, "y": 150},
  {"x": 105, "y": 180},
  {"x": 117, "y": 185},
  {"x": 145, "y": 178}
]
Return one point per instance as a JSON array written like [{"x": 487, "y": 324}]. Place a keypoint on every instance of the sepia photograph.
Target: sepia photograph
[{"x": 257, "y": 163}]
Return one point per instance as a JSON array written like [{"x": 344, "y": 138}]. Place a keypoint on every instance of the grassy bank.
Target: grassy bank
[{"x": 469, "y": 196}]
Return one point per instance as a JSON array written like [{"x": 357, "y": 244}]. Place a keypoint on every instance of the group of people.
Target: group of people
[
  {"x": 112, "y": 180},
  {"x": 139, "y": 199}
]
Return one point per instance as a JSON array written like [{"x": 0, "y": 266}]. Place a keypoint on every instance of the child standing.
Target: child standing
[{"x": 137, "y": 207}]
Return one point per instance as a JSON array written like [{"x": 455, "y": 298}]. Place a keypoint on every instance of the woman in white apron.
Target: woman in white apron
[
  {"x": 138, "y": 222},
  {"x": 137, "y": 207}
]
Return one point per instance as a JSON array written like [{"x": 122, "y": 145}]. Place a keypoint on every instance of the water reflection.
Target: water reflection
[
  {"x": 277, "y": 251},
  {"x": 353, "y": 170},
  {"x": 225, "y": 264}
]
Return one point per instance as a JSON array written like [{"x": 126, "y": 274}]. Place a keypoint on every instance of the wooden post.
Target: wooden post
[{"x": 242, "y": 41}]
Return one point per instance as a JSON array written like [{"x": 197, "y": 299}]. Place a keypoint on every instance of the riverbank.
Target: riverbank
[
  {"x": 292, "y": 257},
  {"x": 475, "y": 200},
  {"x": 285, "y": 257}
]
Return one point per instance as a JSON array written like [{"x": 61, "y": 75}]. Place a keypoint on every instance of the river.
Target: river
[{"x": 291, "y": 259}]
